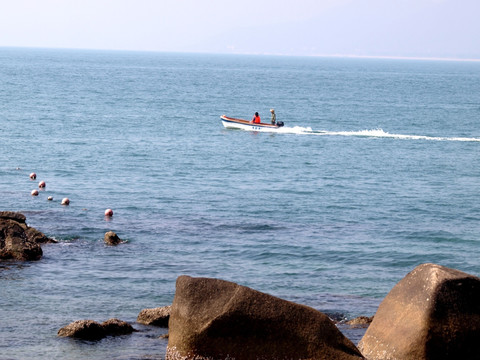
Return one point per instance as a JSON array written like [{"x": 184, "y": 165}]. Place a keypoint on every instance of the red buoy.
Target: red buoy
[
  {"x": 33, "y": 176},
  {"x": 65, "y": 201},
  {"x": 109, "y": 212},
  {"x": 41, "y": 184},
  {"x": 34, "y": 193}
]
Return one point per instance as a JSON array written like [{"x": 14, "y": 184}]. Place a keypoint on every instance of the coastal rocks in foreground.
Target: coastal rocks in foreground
[
  {"x": 216, "y": 319},
  {"x": 92, "y": 330},
  {"x": 432, "y": 313},
  {"x": 156, "y": 316},
  {"x": 111, "y": 238},
  {"x": 18, "y": 240}
]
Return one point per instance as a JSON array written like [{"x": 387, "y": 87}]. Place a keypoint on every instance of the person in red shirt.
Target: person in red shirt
[{"x": 256, "y": 119}]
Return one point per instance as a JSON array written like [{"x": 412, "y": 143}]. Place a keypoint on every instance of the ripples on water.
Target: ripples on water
[{"x": 374, "y": 173}]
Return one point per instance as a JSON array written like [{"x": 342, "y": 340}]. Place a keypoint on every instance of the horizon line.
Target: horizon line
[{"x": 343, "y": 56}]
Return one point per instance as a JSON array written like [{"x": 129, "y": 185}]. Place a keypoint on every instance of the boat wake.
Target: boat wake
[{"x": 373, "y": 133}]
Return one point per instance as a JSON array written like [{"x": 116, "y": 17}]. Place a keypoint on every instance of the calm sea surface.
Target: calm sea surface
[{"x": 376, "y": 172}]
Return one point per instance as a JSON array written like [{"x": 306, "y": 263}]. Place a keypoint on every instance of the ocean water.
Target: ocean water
[{"x": 376, "y": 171}]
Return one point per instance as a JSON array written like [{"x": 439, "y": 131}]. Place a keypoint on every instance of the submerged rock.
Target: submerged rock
[
  {"x": 156, "y": 316},
  {"x": 111, "y": 238},
  {"x": 361, "y": 321},
  {"x": 18, "y": 240},
  {"x": 92, "y": 330},
  {"x": 216, "y": 319},
  {"x": 432, "y": 313}
]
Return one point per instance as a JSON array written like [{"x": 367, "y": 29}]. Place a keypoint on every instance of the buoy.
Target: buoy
[
  {"x": 34, "y": 193},
  {"x": 65, "y": 201},
  {"x": 109, "y": 212},
  {"x": 50, "y": 198},
  {"x": 41, "y": 184},
  {"x": 33, "y": 176}
]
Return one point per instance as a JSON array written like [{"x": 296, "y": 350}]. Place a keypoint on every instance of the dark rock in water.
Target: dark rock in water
[
  {"x": 156, "y": 316},
  {"x": 361, "y": 321},
  {"x": 115, "y": 327},
  {"x": 15, "y": 216},
  {"x": 83, "y": 329},
  {"x": 18, "y": 240},
  {"x": 432, "y": 313},
  {"x": 38, "y": 237},
  {"x": 217, "y": 319},
  {"x": 92, "y": 330},
  {"x": 111, "y": 238}
]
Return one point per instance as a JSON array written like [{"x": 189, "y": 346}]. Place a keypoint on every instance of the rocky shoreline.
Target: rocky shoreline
[{"x": 432, "y": 313}]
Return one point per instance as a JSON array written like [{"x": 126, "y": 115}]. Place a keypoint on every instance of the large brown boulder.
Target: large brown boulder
[
  {"x": 92, "y": 330},
  {"x": 156, "y": 316},
  {"x": 432, "y": 313},
  {"x": 18, "y": 240},
  {"x": 217, "y": 319}
]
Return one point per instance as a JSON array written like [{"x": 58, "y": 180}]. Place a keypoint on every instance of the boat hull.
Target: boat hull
[{"x": 232, "y": 123}]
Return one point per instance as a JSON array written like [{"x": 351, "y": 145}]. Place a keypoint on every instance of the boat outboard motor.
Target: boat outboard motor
[{"x": 280, "y": 123}]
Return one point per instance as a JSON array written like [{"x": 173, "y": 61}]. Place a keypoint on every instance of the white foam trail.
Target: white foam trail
[
  {"x": 377, "y": 133},
  {"x": 294, "y": 130}
]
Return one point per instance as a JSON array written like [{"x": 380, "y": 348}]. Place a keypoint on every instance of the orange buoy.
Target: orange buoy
[
  {"x": 33, "y": 176},
  {"x": 65, "y": 201},
  {"x": 41, "y": 184},
  {"x": 109, "y": 212},
  {"x": 34, "y": 192}
]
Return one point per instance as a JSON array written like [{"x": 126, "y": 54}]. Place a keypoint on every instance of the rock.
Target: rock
[
  {"x": 83, "y": 329},
  {"x": 114, "y": 327},
  {"x": 92, "y": 330},
  {"x": 14, "y": 245},
  {"x": 111, "y": 238},
  {"x": 14, "y": 242},
  {"x": 15, "y": 216},
  {"x": 38, "y": 237},
  {"x": 156, "y": 316},
  {"x": 217, "y": 319},
  {"x": 18, "y": 240},
  {"x": 361, "y": 321},
  {"x": 432, "y": 313}
]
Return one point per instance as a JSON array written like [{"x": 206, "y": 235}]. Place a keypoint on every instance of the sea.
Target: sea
[{"x": 376, "y": 171}]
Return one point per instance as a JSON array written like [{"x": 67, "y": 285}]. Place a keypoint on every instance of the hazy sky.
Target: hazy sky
[{"x": 417, "y": 28}]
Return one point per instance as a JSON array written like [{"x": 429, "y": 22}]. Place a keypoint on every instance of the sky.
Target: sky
[{"x": 385, "y": 28}]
